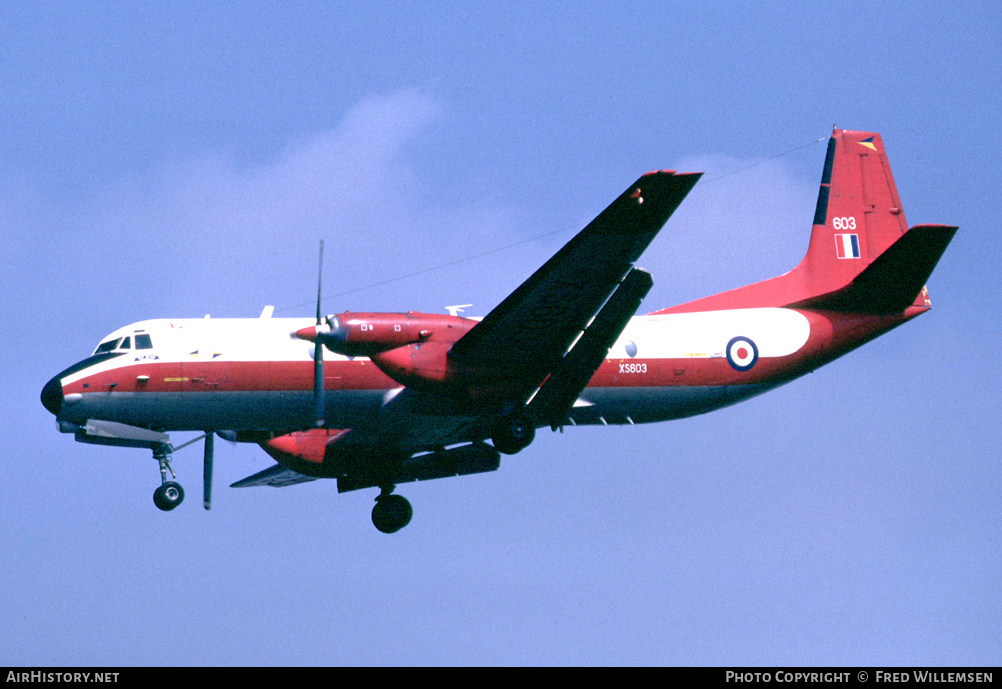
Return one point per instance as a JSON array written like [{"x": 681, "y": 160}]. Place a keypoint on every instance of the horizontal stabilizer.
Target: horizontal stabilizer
[
  {"x": 893, "y": 281},
  {"x": 561, "y": 389}
]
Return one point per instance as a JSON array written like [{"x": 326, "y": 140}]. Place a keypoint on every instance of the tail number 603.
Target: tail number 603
[{"x": 844, "y": 223}]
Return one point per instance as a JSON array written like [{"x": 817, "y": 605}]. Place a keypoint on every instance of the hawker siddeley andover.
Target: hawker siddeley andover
[{"x": 402, "y": 397}]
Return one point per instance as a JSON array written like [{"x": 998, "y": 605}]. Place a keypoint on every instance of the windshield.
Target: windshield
[
  {"x": 143, "y": 341},
  {"x": 107, "y": 346}
]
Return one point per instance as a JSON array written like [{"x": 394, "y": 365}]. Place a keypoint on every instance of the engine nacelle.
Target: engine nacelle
[
  {"x": 368, "y": 334},
  {"x": 427, "y": 366},
  {"x": 420, "y": 365}
]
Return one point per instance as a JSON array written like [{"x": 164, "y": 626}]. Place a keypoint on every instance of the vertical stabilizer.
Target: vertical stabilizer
[
  {"x": 858, "y": 214},
  {"x": 850, "y": 264}
]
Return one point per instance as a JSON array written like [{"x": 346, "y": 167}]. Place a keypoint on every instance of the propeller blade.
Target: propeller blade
[
  {"x": 318, "y": 352},
  {"x": 207, "y": 470},
  {"x": 318, "y": 383},
  {"x": 320, "y": 277}
]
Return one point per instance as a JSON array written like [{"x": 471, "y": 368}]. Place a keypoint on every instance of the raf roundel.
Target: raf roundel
[{"x": 741, "y": 353}]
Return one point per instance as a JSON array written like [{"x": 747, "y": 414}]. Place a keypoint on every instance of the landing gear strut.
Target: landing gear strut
[
  {"x": 392, "y": 512},
  {"x": 170, "y": 494}
]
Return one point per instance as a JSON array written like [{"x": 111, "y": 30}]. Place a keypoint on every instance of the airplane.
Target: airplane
[{"x": 375, "y": 400}]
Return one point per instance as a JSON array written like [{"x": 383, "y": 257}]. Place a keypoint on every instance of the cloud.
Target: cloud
[
  {"x": 733, "y": 229},
  {"x": 205, "y": 233},
  {"x": 257, "y": 228},
  {"x": 208, "y": 234}
]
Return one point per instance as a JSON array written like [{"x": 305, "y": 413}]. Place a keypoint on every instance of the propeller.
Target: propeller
[
  {"x": 207, "y": 470},
  {"x": 206, "y": 464},
  {"x": 318, "y": 353}
]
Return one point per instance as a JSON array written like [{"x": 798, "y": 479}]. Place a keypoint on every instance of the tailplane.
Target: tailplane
[{"x": 895, "y": 279}]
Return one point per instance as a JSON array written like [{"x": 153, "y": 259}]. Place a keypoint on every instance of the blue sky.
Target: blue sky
[{"x": 178, "y": 159}]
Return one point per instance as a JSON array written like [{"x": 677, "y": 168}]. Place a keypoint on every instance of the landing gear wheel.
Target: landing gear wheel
[
  {"x": 513, "y": 434},
  {"x": 391, "y": 513},
  {"x": 168, "y": 496}
]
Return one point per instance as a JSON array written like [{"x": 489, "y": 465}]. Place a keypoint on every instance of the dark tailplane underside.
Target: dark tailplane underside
[{"x": 894, "y": 280}]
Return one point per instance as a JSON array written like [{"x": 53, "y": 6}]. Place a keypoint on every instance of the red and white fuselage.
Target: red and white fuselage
[
  {"x": 251, "y": 374},
  {"x": 408, "y": 396}
]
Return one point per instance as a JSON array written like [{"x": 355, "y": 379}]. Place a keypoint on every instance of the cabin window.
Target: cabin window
[{"x": 144, "y": 342}]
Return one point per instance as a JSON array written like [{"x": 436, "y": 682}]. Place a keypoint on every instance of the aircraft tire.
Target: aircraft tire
[
  {"x": 392, "y": 513},
  {"x": 168, "y": 496},
  {"x": 513, "y": 434}
]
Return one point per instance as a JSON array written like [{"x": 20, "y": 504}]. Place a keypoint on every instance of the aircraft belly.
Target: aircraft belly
[
  {"x": 242, "y": 410},
  {"x": 611, "y": 406}
]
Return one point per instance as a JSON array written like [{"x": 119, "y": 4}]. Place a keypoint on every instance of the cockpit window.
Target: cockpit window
[
  {"x": 108, "y": 346},
  {"x": 120, "y": 343}
]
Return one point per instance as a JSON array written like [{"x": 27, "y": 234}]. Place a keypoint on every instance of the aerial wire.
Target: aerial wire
[
  {"x": 760, "y": 162},
  {"x": 536, "y": 238}
]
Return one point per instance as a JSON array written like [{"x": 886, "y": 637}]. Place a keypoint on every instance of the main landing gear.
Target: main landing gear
[
  {"x": 512, "y": 433},
  {"x": 170, "y": 494},
  {"x": 392, "y": 512}
]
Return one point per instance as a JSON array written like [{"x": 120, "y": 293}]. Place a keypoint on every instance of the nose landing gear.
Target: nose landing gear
[{"x": 170, "y": 494}]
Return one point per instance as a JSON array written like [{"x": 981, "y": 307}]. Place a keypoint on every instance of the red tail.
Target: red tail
[
  {"x": 850, "y": 264},
  {"x": 858, "y": 215}
]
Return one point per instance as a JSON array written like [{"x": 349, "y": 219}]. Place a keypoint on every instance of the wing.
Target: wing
[
  {"x": 530, "y": 331},
  {"x": 557, "y": 326}
]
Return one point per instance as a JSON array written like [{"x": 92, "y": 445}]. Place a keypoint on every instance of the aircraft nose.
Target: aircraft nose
[{"x": 52, "y": 395}]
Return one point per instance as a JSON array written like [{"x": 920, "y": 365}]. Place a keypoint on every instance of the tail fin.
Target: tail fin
[
  {"x": 858, "y": 215},
  {"x": 862, "y": 256}
]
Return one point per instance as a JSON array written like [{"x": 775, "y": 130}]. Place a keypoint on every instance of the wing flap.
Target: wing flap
[
  {"x": 557, "y": 395},
  {"x": 474, "y": 458}
]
